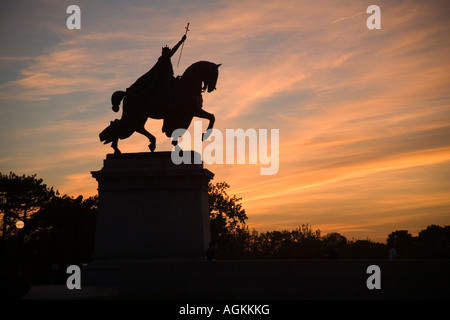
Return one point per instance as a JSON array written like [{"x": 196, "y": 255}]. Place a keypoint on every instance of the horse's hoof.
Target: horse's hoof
[
  {"x": 152, "y": 147},
  {"x": 206, "y": 134}
]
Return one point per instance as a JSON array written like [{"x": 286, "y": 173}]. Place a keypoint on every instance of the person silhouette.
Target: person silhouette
[
  {"x": 331, "y": 252},
  {"x": 159, "y": 79},
  {"x": 393, "y": 252},
  {"x": 210, "y": 252}
]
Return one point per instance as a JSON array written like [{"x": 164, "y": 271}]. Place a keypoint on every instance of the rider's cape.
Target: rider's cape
[
  {"x": 145, "y": 82},
  {"x": 151, "y": 80}
]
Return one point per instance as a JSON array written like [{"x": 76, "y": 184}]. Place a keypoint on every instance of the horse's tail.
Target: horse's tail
[
  {"x": 116, "y": 99},
  {"x": 116, "y": 130}
]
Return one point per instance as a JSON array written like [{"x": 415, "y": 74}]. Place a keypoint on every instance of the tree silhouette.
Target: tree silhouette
[
  {"x": 403, "y": 242},
  {"x": 20, "y": 196},
  {"x": 63, "y": 231},
  {"x": 434, "y": 242},
  {"x": 336, "y": 238},
  {"x": 336, "y": 243},
  {"x": 227, "y": 220}
]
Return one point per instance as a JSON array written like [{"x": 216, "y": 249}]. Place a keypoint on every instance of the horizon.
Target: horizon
[
  {"x": 363, "y": 115},
  {"x": 303, "y": 226}
]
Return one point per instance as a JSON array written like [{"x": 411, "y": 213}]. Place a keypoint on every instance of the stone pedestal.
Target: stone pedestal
[{"x": 149, "y": 209}]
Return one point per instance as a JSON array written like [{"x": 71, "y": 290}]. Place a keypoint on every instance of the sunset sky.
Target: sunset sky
[{"x": 363, "y": 115}]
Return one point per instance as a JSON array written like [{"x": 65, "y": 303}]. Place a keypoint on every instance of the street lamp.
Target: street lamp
[{"x": 20, "y": 224}]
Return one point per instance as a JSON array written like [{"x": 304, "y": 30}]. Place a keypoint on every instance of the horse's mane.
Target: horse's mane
[
  {"x": 201, "y": 74},
  {"x": 197, "y": 66}
]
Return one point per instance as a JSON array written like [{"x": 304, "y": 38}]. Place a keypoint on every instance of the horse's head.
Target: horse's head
[
  {"x": 205, "y": 72},
  {"x": 210, "y": 79}
]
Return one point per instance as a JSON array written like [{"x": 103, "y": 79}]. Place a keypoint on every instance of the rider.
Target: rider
[{"x": 159, "y": 77}]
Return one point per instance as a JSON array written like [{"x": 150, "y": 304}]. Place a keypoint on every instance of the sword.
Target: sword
[{"x": 182, "y": 46}]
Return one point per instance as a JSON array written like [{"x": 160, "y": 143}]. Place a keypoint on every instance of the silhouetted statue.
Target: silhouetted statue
[{"x": 159, "y": 95}]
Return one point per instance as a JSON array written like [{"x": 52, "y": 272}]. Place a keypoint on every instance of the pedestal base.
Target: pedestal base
[{"x": 150, "y": 209}]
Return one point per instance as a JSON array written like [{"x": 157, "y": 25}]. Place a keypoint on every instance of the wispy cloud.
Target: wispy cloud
[{"x": 12, "y": 58}]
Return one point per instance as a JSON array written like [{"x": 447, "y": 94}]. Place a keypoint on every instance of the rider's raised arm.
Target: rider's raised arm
[{"x": 175, "y": 48}]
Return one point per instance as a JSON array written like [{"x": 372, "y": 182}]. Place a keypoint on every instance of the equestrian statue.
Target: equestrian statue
[{"x": 159, "y": 95}]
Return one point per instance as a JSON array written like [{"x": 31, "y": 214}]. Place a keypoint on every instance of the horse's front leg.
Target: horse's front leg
[{"x": 206, "y": 115}]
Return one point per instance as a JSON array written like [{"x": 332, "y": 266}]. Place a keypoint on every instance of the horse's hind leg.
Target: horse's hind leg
[
  {"x": 150, "y": 137},
  {"x": 114, "y": 146}
]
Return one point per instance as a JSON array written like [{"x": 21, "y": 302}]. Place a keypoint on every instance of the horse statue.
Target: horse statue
[{"x": 175, "y": 100}]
